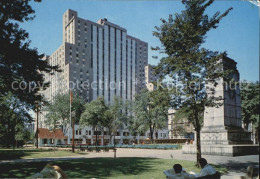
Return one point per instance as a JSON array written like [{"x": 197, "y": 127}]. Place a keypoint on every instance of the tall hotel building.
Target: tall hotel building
[{"x": 100, "y": 58}]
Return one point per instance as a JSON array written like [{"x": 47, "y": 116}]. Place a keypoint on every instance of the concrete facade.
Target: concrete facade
[{"x": 150, "y": 77}]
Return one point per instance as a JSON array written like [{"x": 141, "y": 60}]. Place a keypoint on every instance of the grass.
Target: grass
[
  {"x": 8, "y": 154},
  {"x": 102, "y": 168}
]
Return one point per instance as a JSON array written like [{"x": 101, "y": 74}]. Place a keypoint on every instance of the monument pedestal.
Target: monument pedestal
[
  {"x": 222, "y": 132},
  {"x": 225, "y": 142},
  {"x": 220, "y": 149}
]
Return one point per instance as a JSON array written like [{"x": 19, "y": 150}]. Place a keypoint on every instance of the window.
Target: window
[
  {"x": 78, "y": 132},
  {"x": 89, "y": 132},
  {"x": 97, "y": 132},
  {"x": 126, "y": 134},
  {"x": 44, "y": 141}
]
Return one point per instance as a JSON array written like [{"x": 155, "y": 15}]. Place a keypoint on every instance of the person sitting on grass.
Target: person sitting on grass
[
  {"x": 49, "y": 171},
  {"x": 206, "y": 169},
  {"x": 179, "y": 173}
]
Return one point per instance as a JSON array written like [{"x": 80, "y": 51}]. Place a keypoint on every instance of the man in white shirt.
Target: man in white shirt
[{"x": 206, "y": 168}]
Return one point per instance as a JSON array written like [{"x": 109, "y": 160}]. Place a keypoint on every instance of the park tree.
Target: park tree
[
  {"x": 94, "y": 115},
  {"x": 187, "y": 63},
  {"x": 21, "y": 66},
  {"x": 27, "y": 136},
  {"x": 160, "y": 101},
  {"x": 134, "y": 126},
  {"x": 13, "y": 114},
  {"x": 115, "y": 117},
  {"x": 151, "y": 110},
  {"x": 249, "y": 93},
  {"x": 142, "y": 115},
  {"x": 60, "y": 108}
]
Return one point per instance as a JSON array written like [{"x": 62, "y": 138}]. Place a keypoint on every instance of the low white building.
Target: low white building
[{"x": 87, "y": 135}]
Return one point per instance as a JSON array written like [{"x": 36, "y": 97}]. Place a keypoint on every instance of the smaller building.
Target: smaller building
[
  {"x": 179, "y": 129},
  {"x": 48, "y": 138},
  {"x": 150, "y": 77}
]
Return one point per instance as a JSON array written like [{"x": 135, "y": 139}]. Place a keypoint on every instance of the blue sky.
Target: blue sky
[{"x": 238, "y": 33}]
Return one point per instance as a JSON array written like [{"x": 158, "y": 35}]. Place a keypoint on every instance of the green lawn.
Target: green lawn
[
  {"x": 6, "y": 154},
  {"x": 102, "y": 168}
]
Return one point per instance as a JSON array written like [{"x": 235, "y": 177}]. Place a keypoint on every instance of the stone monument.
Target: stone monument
[{"x": 222, "y": 132}]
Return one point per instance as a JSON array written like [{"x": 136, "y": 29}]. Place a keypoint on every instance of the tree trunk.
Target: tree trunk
[
  {"x": 96, "y": 136},
  {"x": 198, "y": 145},
  {"x": 54, "y": 139},
  {"x": 151, "y": 134},
  {"x": 257, "y": 135},
  {"x": 114, "y": 140},
  {"x": 15, "y": 141},
  {"x": 103, "y": 140}
]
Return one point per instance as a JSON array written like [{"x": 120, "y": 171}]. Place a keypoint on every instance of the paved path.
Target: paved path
[{"x": 236, "y": 165}]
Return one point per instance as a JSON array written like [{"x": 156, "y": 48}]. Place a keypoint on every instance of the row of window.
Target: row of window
[{"x": 89, "y": 132}]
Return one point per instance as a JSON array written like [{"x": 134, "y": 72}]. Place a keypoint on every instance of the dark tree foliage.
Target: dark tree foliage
[
  {"x": 21, "y": 69},
  {"x": 250, "y": 104},
  {"x": 13, "y": 114},
  {"x": 190, "y": 66},
  {"x": 18, "y": 61}
]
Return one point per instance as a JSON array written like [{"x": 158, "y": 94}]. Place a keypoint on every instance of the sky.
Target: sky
[{"x": 237, "y": 34}]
